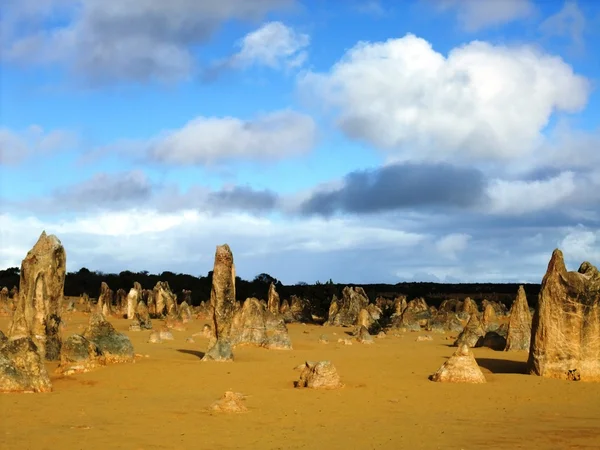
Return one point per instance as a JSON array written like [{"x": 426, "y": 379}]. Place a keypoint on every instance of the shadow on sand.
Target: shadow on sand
[
  {"x": 191, "y": 352},
  {"x": 502, "y": 365}
]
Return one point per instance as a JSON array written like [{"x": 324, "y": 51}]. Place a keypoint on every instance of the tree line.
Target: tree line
[{"x": 319, "y": 294}]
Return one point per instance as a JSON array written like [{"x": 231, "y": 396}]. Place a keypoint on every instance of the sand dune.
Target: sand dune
[{"x": 163, "y": 400}]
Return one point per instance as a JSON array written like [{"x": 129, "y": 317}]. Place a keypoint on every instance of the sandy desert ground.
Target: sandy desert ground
[{"x": 162, "y": 401}]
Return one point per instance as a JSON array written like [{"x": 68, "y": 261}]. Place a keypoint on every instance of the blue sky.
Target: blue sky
[{"x": 364, "y": 141}]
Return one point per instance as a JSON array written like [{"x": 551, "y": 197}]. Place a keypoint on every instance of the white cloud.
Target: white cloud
[
  {"x": 273, "y": 45},
  {"x": 581, "y": 244},
  {"x": 107, "y": 41},
  {"x": 475, "y": 15},
  {"x": 206, "y": 140},
  {"x": 17, "y": 146},
  {"x": 451, "y": 244},
  {"x": 518, "y": 197},
  {"x": 481, "y": 102},
  {"x": 186, "y": 240},
  {"x": 569, "y": 23}
]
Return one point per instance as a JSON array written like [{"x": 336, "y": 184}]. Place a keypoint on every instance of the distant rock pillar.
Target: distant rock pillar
[{"x": 223, "y": 305}]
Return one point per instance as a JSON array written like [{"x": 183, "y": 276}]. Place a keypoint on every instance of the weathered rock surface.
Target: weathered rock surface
[
  {"x": 115, "y": 347},
  {"x": 105, "y": 299},
  {"x": 273, "y": 302},
  {"x": 133, "y": 298},
  {"x": 141, "y": 320},
  {"x": 489, "y": 319},
  {"x": 444, "y": 321},
  {"x": 223, "y": 305},
  {"x": 369, "y": 318},
  {"x": 297, "y": 310},
  {"x": 185, "y": 312},
  {"x": 79, "y": 355},
  {"x": 121, "y": 301},
  {"x": 22, "y": 367},
  {"x": 499, "y": 308},
  {"x": 38, "y": 309},
  {"x": 166, "y": 300},
  {"x": 472, "y": 334},
  {"x": 493, "y": 340},
  {"x": 231, "y": 402},
  {"x": 5, "y": 310},
  {"x": 519, "y": 324},
  {"x": 565, "y": 333},
  {"x": 461, "y": 367},
  {"x": 363, "y": 336},
  {"x": 318, "y": 375},
  {"x": 451, "y": 305},
  {"x": 344, "y": 312},
  {"x": 255, "y": 325},
  {"x": 468, "y": 308}
]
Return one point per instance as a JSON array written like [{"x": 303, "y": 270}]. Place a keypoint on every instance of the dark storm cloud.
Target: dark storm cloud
[
  {"x": 400, "y": 186},
  {"x": 243, "y": 198}
]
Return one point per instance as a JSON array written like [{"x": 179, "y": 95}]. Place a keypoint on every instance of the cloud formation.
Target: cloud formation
[
  {"x": 18, "y": 146},
  {"x": 206, "y": 140},
  {"x": 134, "y": 40},
  {"x": 399, "y": 186},
  {"x": 273, "y": 45},
  {"x": 481, "y": 102},
  {"x": 476, "y": 15}
]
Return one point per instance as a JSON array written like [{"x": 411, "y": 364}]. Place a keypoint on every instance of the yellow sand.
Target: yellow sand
[{"x": 388, "y": 403}]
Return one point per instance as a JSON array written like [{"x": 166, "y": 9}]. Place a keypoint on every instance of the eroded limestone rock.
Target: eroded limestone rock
[
  {"x": 489, "y": 319},
  {"x": 223, "y": 305},
  {"x": 114, "y": 346},
  {"x": 472, "y": 334},
  {"x": 565, "y": 333},
  {"x": 344, "y": 312},
  {"x": 231, "y": 402},
  {"x": 273, "y": 302},
  {"x": 443, "y": 322},
  {"x": 166, "y": 300},
  {"x": 105, "y": 299},
  {"x": 22, "y": 367},
  {"x": 256, "y": 325},
  {"x": 519, "y": 325},
  {"x": 133, "y": 298},
  {"x": 79, "y": 355},
  {"x": 461, "y": 367},
  {"x": 38, "y": 309},
  {"x": 318, "y": 375}
]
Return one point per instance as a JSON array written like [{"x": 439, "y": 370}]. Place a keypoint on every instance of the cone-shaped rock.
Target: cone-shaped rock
[
  {"x": 461, "y": 367},
  {"x": 319, "y": 375},
  {"x": 519, "y": 324},
  {"x": 22, "y": 367},
  {"x": 223, "y": 305},
  {"x": 472, "y": 335},
  {"x": 345, "y": 311},
  {"x": 38, "y": 309},
  {"x": 565, "y": 333}
]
